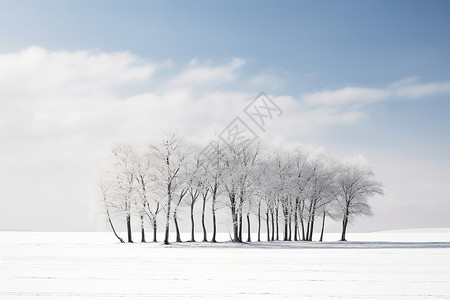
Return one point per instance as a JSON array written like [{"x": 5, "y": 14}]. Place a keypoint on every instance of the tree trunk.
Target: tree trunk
[
  {"x": 192, "y": 223},
  {"x": 345, "y": 222},
  {"x": 276, "y": 216},
  {"x": 267, "y": 225},
  {"x": 259, "y": 221},
  {"x": 307, "y": 230},
  {"x": 285, "y": 234},
  {"x": 249, "y": 239},
  {"x": 114, "y": 230},
  {"x": 234, "y": 219},
  {"x": 235, "y": 229},
  {"x": 296, "y": 226},
  {"x": 313, "y": 217},
  {"x": 296, "y": 238},
  {"x": 290, "y": 229},
  {"x": 177, "y": 228},
  {"x": 205, "y": 238},
  {"x": 323, "y": 226},
  {"x": 169, "y": 200},
  {"x": 311, "y": 231},
  {"x": 273, "y": 226},
  {"x": 303, "y": 229},
  {"x": 111, "y": 223},
  {"x": 142, "y": 229},
  {"x": 213, "y": 205},
  {"x": 130, "y": 240},
  {"x": 344, "y": 228},
  {"x": 240, "y": 226},
  {"x": 214, "y": 227},
  {"x": 155, "y": 229}
]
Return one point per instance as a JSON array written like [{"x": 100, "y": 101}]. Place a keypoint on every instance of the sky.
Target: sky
[{"x": 356, "y": 78}]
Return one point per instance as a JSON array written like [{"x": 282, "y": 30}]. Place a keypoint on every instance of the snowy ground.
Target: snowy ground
[{"x": 386, "y": 265}]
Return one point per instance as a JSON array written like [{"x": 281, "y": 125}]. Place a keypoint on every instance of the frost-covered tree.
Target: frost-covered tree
[
  {"x": 124, "y": 168},
  {"x": 213, "y": 170},
  {"x": 239, "y": 161},
  {"x": 319, "y": 192},
  {"x": 355, "y": 184},
  {"x": 168, "y": 158},
  {"x": 148, "y": 200},
  {"x": 194, "y": 184},
  {"x": 288, "y": 188},
  {"x": 105, "y": 187}
]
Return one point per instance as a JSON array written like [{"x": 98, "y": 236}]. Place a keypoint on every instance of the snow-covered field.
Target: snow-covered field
[{"x": 385, "y": 265}]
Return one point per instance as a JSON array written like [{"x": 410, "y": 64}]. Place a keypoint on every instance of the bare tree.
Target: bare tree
[
  {"x": 149, "y": 203},
  {"x": 124, "y": 171},
  {"x": 355, "y": 184},
  {"x": 319, "y": 191},
  {"x": 288, "y": 189},
  {"x": 168, "y": 159},
  {"x": 104, "y": 189}
]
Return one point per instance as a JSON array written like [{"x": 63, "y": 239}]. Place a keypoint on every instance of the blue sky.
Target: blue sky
[{"x": 305, "y": 53}]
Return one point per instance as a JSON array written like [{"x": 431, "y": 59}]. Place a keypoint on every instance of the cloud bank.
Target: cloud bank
[{"x": 60, "y": 111}]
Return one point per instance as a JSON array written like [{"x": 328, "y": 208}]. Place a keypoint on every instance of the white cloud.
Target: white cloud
[
  {"x": 197, "y": 74},
  {"x": 83, "y": 72},
  {"x": 422, "y": 90},
  {"x": 347, "y": 95},
  {"x": 267, "y": 81},
  {"x": 407, "y": 88},
  {"x": 60, "y": 111}
]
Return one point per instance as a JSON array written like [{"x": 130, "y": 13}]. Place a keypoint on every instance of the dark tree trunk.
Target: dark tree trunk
[
  {"x": 313, "y": 217},
  {"x": 259, "y": 221},
  {"x": 169, "y": 202},
  {"x": 249, "y": 239},
  {"x": 155, "y": 229},
  {"x": 111, "y": 223},
  {"x": 276, "y": 216},
  {"x": 303, "y": 229},
  {"x": 302, "y": 224},
  {"x": 235, "y": 229},
  {"x": 285, "y": 234},
  {"x": 142, "y": 229},
  {"x": 214, "y": 227},
  {"x": 267, "y": 225},
  {"x": 213, "y": 210},
  {"x": 192, "y": 223},
  {"x": 240, "y": 226},
  {"x": 130, "y": 240},
  {"x": 234, "y": 219},
  {"x": 296, "y": 238},
  {"x": 344, "y": 228},
  {"x": 311, "y": 231},
  {"x": 177, "y": 228},
  {"x": 308, "y": 227},
  {"x": 114, "y": 230},
  {"x": 296, "y": 226},
  {"x": 273, "y": 226},
  {"x": 290, "y": 229},
  {"x": 205, "y": 238},
  {"x": 323, "y": 226}
]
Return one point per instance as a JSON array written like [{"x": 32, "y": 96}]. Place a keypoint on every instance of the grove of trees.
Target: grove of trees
[{"x": 285, "y": 191}]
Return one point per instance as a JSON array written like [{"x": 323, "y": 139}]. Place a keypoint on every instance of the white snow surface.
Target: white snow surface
[{"x": 385, "y": 265}]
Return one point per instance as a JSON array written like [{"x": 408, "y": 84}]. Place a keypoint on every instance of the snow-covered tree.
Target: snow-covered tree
[
  {"x": 355, "y": 184},
  {"x": 148, "y": 201},
  {"x": 213, "y": 170},
  {"x": 168, "y": 157},
  {"x": 123, "y": 176},
  {"x": 105, "y": 190},
  {"x": 289, "y": 188}
]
